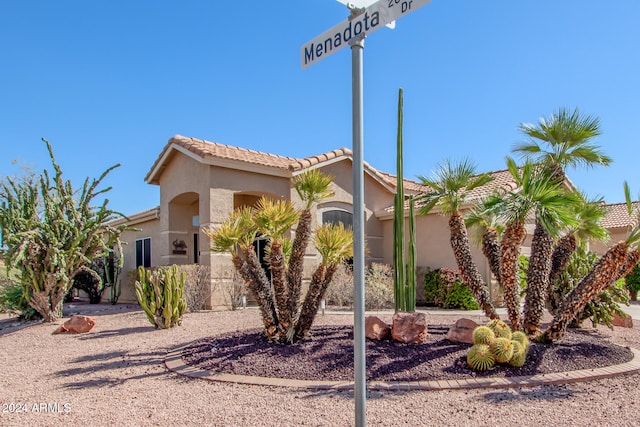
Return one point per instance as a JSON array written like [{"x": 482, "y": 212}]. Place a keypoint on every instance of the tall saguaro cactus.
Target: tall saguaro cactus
[{"x": 404, "y": 285}]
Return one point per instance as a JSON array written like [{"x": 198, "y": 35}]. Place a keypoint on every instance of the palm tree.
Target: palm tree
[
  {"x": 588, "y": 214},
  {"x": 567, "y": 136},
  {"x": 488, "y": 236},
  {"x": 335, "y": 244},
  {"x": 614, "y": 264},
  {"x": 274, "y": 218},
  {"x": 537, "y": 194},
  {"x": 312, "y": 187},
  {"x": 451, "y": 186}
]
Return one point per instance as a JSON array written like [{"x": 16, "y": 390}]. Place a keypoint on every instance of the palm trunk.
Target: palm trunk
[
  {"x": 537, "y": 279},
  {"x": 296, "y": 261},
  {"x": 491, "y": 250},
  {"x": 468, "y": 269},
  {"x": 280, "y": 290},
  {"x": 609, "y": 267},
  {"x": 510, "y": 247},
  {"x": 565, "y": 247},
  {"x": 309, "y": 308},
  {"x": 258, "y": 283}
]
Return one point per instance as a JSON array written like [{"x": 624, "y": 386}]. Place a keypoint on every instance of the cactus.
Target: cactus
[
  {"x": 161, "y": 296},
  {"x": 502, "y": 349},
  {"x": 500, "y": 329},
  {"x": 405, "y": 280},
  {"x": 521, "y": 337},
  {"x": 519, "y": 355},
  {"x": 483, "y": 335},
  {"x": 480, "y": 358}
]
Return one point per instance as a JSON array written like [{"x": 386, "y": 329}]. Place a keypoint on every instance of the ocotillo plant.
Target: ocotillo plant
[{"x": 404, "y": 286}]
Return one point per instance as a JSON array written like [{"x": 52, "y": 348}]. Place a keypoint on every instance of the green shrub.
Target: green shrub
[
  {"x": 432, "y": 288},
  {"x": 12, "y": 300},
  {"x": 632, "y": 282},
  {"x": 460, "y": 296},
  {"x": 602, "y": 307},
  {"x": 90, "y": 282}
]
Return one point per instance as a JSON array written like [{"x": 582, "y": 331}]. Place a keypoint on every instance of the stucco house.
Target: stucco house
[{"x": 201, "y": 182}]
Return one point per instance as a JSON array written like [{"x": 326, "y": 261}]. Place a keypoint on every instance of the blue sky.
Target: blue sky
[{"x": 111, "y": 81}]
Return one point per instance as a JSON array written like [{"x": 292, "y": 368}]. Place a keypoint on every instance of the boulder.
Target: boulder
[
  {"x": 622, "y": 321},
  {"x": 462, "y": 331},
  {"x": 76, "y": 325},
  {"x": 409, "y": 328},
  {"x": 376, "y": 329}
]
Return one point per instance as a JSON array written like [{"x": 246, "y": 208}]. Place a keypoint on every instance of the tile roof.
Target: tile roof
[
  {"x": 207, "y": 149},
  {"x": 617, "y": 216}
]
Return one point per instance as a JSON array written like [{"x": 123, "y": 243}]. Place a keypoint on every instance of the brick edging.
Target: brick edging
[{"x": 173, "y": 361}]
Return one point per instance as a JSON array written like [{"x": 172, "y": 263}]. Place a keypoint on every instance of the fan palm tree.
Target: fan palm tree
[
  {"x": 614, "y": 264},
  {"x": 335, "y": 244},
  {"x": 489, "y": 230},
  {"x": 450, "y": 186},
  {"x": 588, "y": 214},
  {"x": 563, "y": 140}
]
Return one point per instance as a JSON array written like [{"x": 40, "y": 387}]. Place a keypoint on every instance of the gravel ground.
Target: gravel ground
[{"x": 114, "y": 375}]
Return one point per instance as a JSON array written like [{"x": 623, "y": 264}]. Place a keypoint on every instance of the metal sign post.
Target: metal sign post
[{"x": 361, "y": 22}]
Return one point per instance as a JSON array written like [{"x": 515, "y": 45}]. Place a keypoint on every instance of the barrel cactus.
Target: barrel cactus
[
  {"x": 521, "y": 337},
  {"x": 480, "y": 357},
  {"x": 519, "y": 355},
  {"x": 502, "y": 349},
  {"x": 483, "y": 335},
  {"x": 500, "y": 329}
]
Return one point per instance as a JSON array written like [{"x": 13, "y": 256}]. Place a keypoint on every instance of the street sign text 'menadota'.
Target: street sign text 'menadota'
[{"x": 374, "y": 17}]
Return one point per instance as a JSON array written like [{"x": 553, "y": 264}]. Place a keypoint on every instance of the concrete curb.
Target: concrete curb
[{"x": 173, "y": 362}]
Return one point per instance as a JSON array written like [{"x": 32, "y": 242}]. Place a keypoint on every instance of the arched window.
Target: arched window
[{"x": 337, "y": 216}]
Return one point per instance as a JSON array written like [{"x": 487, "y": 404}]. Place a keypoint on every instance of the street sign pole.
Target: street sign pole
[{"x": 359, "y": 354}]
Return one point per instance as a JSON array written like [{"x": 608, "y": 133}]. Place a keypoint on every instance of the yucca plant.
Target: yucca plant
[
  {"x": 278, "y": 297},
  {"x": 160, "y": 293}
]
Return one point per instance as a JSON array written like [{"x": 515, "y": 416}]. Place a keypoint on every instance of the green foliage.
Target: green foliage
[
  {"x": 632, "y": 280},
  {"x": 461, "y": 297},
  {"x": 90, "y": 282},
  {"x": 160, "y": 293},
  {"x": 602, "y": 307},
  {"x": 483, "y": 335},
  {"x": 49, "y": 231},
  {"x": 480, "y": 357},
  {"x": 12, "y": 300},
  {"x": 444, "y": 288}
]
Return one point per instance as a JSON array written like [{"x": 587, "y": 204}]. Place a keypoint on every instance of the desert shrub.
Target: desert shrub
[
  {"x": 632, "y": 282},
  {"x": 89, "y": 281},
  {"x": 378, "y": 283},
  {"x": 12, "y": 300},
  {"x": 444, "y": 288},
  {"x": 196, "y": 284},
  {"x": 378, "y": 287},
  {"x": 340, "y": 291},
  {"x": 602, "y": 307},
  {"x": 460, "y": 296}
]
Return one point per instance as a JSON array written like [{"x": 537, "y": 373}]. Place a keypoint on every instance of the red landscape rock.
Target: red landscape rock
[
  {"x": 462, "y": 331},
  {"x": 76, "y": 325},
  {"x": 376, "y": 329},
  {"x": 409, "y": 328},
  {"x": 622, "y": 321}
]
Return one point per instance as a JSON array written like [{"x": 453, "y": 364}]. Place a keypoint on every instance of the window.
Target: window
[
  {"x": 338, "y": 216},
  {"x": 143, "y": 252}
]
